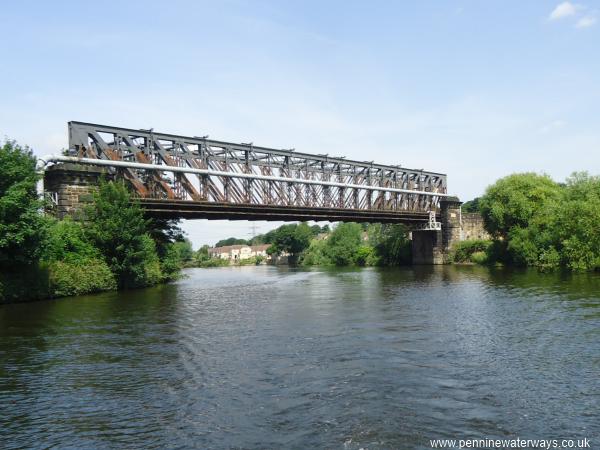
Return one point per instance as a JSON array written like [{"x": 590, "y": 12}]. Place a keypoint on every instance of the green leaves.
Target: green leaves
[
  {"x": 544, "y": 224},
  {"x": 67, "y": 242},
  {"x": 346, "y": 245},
  {"x": 391, "y": 244},
  {"x": 115, "y": 246},
  {"x": 292, "y": 239},
  {"x": 576, "y": 223},
  {"x": 463, "y": 251},
  {"x": 22, "y": 227},
  {"x": 343, "y": 244},
  {"x": 514, "y": 200},
  {"x": 17, "y": 165},
  {"x": 115, "y": 224}
]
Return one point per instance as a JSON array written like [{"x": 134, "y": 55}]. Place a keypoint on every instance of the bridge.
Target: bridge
[{"x": 191, "y": 177}]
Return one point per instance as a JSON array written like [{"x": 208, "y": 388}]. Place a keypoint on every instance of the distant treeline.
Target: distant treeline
[
  {"x": 112, "y": 246},
  {"x": 346, "y": 245},
  {"x": 267, "y": 238}
]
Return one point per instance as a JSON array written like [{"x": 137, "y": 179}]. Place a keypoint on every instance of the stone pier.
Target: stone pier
[
  {"x": 70, "y": 186},
  {"x": 433, "y": 247},
  {"x": 427, "y": 247}
]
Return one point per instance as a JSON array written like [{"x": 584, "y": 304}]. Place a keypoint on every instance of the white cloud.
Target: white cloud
[
  {"x": 563, "y": 10},
  {"x": 586, "y": 22}
]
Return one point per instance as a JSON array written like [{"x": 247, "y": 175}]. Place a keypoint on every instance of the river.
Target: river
[{"x": 267, "y": 357}]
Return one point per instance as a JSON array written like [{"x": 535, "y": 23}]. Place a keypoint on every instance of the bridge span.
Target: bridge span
[{"x": 193, "y": 177}]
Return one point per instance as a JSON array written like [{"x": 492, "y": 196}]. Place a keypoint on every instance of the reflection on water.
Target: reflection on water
[{"x": 264, "y": 357}]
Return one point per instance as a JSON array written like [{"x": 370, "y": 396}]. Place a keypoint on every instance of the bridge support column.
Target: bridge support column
[
  {"x": 427, "y": 247},
  {"x": 451, "y": 223},
  {"x": 433, "y": 247},
  {"x": 71, "y": 186}
]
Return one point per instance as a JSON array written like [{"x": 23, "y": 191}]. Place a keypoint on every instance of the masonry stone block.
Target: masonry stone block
[{"x": 71, "y": 186}]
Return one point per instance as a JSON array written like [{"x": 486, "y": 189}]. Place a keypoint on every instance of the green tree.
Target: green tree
[
  {"x": 184, "y": 249},
  {"x": 514, "y": 200},
  {"x": 472, "y": 206},
  {"x": 364, "y": 255},
  {"x": 231, "y": 241},
  {"x": 179, "y": 254},
  {"x": 314, "y": 255},
  {"x": 540, "y": 223},
  {"x": 518, "y": 212},
  {"x": 164, "y": 232},
  {"x": 391, "y": 244},
  {"x": 22, "y": 227},
  {"x": 171, "y": 263},
  {"x": 75, "y": 265},
  {"x": 577, "y": 219},
  {"x": 66, "y": 241},
  {"x": 202, "y": 254},
  {"x": 117, "y": 227},
  {"x": 292, "y": 239},
  {"x": 343, "y": 244}
]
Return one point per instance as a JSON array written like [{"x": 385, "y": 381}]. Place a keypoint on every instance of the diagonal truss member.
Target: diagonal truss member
[{"x": 198, "y": 169}]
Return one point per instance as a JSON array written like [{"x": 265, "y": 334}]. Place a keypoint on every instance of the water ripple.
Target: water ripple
[{"x": 263, "y": 357}]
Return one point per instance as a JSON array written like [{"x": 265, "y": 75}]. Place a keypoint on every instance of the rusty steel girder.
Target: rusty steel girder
[{"x": 211, "y": 172}]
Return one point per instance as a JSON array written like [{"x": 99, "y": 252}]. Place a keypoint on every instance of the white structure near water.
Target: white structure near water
[{"x": 239, "y": 252}]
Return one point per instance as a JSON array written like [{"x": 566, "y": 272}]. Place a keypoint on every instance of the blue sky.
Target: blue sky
[{"x": 474, "y": 89}]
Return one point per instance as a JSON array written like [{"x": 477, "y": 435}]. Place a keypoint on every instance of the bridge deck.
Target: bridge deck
[{"x": 186, "y": 209}]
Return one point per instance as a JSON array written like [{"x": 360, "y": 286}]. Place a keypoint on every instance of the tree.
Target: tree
[
  {"x": 75, "y": 265},
  {"x": 577, "y": 220},
  {"x": 391, "y": 244},
  {"x": 302, "y": 236},
  {"x": 537, "y": 222},
  {"x": 179, "y": 254},
  {"x": 292, "y": 239},
  {"x": 343, "y": 244},
  {"x": 517, "y": 211},
  {"x": 184, "y": 250},
  {"x": 314, "y": 255},
  {"x": 514, "y": 200},
  {"x": 67, "y": 241},
  {"x": 202, "y": 254},
  {"x": 364, "y": 255},
  {"x": 22, "y": 227},
  {"x": 472, "y": 206},
  {"x": 164, "y": 232},
  {"x": 116, "y": 226},
  {"x": 231, "y": 241}
]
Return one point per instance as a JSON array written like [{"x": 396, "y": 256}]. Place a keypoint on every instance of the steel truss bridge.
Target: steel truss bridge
[{"x": 197, "y": 177}]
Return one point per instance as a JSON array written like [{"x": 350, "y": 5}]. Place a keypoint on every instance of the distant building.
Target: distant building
[
  {"x": 239, "y": 252},
  {"x": 259, "y": 250}
]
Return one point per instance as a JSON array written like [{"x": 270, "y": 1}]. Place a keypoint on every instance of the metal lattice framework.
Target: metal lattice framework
[{"x": 197, "y": 176}]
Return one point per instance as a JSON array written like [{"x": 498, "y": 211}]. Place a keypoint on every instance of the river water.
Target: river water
[{"x": 266, "y": 357}]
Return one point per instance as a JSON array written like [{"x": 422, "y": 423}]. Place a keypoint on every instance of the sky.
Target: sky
[{"x": 476, "y": 90}]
